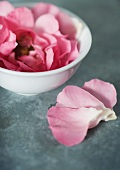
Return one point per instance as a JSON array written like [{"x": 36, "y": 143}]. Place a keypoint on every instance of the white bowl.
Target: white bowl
[{"x": 34, "y": 83}]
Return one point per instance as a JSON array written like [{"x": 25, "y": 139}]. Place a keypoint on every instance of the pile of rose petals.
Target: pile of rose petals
[
  {"x": 38, "y": 39},
  {"x": 79, "y": 109}
]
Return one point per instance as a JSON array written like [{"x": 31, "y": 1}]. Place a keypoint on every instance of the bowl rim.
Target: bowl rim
[{"x": 59, "y": 70}]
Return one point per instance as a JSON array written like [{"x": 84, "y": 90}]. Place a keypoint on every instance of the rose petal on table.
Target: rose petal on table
[
  {"x": 44, "y": 8},
  {"x": 76, "y": 97},
  {"x": 22, "y": 16},
  {"x": 69, "y": 126},
  {"x": 5, "y": 8},
  {"x": 46, "y": 23},
  {"x": 103, "y": 91},
  {"x": 106, "y": 115}
]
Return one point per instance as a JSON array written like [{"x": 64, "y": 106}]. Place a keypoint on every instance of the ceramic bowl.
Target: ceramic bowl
[{"x": 35, "y": 83}]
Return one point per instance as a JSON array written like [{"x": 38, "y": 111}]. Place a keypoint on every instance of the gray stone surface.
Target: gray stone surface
[{"x": 26, "y": 143}]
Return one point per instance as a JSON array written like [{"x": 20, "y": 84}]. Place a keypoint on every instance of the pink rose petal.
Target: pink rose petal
[
  {"x": 64, "y": 45},
  {"x": 33, "y": 62},
  {"x": 103, "y": 91},
  {"x": 49, "y": 57},
  {"x": 24, "y": 67},
  {"x": 69, "y": 126},
  {"x": 7, "y": 40},
  {"x": 28, "y": 60},
  {"x": 67, "y": 26},
  {"x": 4, "y": 32},
  {"x": 77, "y": 111},
  {"x": 7, "y": 47},
  {"x": 61, "y": 48},
  {"x": 74, "y": 51},
  {"x": 11, "y": 58},
  {"x": 76, "y": 97},
  {"x": 2, "y": 64},
  {"x": 5, "y": 8},
  {"x": 11, "y": 24},
  {"x": 39, "y": 67},
  {"x": 50, "y": 38},
  {"x": 72, "y": 55},
  {"x": 46, "y": 23},
  {"x": 41, "y": 42},
  {"x": 44, "y": 8},
  {"x": 39, "y": 52},
  {"x": 8, "y": 64},
  {"x": 22, "y": 16},
  {"x": 56, "y": 62},
  {"x": 12, "y": 37}
]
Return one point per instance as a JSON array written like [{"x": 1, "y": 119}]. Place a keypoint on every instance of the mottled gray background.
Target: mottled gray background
[{"x": 26, "y": 143}]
